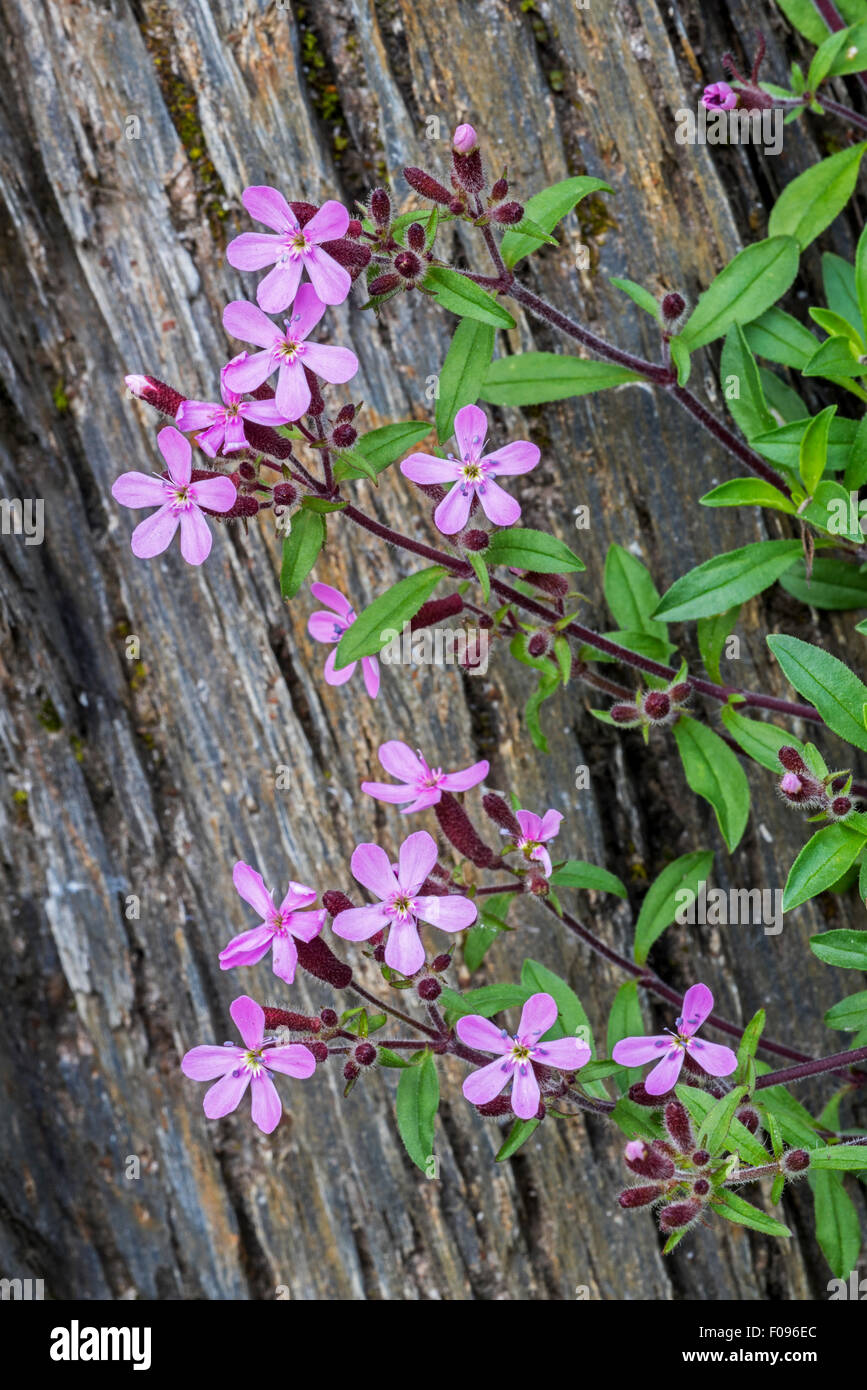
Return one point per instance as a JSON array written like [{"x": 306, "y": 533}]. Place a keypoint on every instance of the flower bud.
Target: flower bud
[
  {"x": 499, "y": 190},
  {"x": 247, "y": 471},
  {"x": 457, "y": 207},
  {"x": 317, "y": 958},
  {"x": 429, "y": 990},
  {"x": 539, "y": 644},
  {"x": 677, "y": 1123},
  {"x": 748, "y": 1117},
  {"x": 346, "y": 414},
  {"x": 538, "y": 885},
  {"x": 265, "y": 440},
  {"x": 384, "y": 284},
  {"x": 285, "y": 1018},
  {"x": 350, "y": 1071},
  {"x": 334, "y": 901},
  {"x": 555, "y": 584},
  {"x": 352, "y": 255},
  {"x": 380, "y": 207},
  {"x": 680, "y": 693},
  {"x": 640, "y": 1196},
  {"x": 840, "y": 807},
  {"x": 476, "y": 540},
  {"x": 415, "y": 236},
  {"x": 701, "y": 1158},
  {"x": 792, "y": 760},
  {"x": 701, "y": 1187},
  {"x": 317, "y": 404},
  {"x": 625, "y": 714},
  {"x": 284, "y": 494},
  {"x": 319, "y": 1050},
  {"x": 149, "y": 388},
  {"x": 499, "y": 812},
  {"x": 365, "y": 1054},
  {"x": 354, "y": 227},
  {"x": 329, "y": 1017},
  {"x": 672, "y": 310},
  {"x": 648, "y": 1161},
  {"x": 427, "y": 186},
  {"x": 244, "y": 505},
  {"x": 657, "y": 706},
  {"x": 508, "y": 213},
  {"x": 304, "y": 212},
  {"x": 500, "y": 1105},
  {"x": 796, "y": 1161},
  {"x": 468, "y": 171},
  {"x": 678, "y": 1215},
  {"x": 464, "y": 139},
  {"x": 436, "y": 610},
  {"x": 460, "y": 832},
  {"x": 638, "y": 1093},
  {"x": 440, "y": 963},
  {"x": 407, "y": 264},
  {"x": 344, "y": 436}
]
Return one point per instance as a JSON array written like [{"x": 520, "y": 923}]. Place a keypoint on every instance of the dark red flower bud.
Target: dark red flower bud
[
  {"x": 640, "y": 1196},
  {"x": 701, "y": 1187},
  {"x": 555, "y": 584},
  {"x": 672, "y": 309},
  {"x": 265, "y": 440},
  {"x": 304, "y": 212},
  {"x": 792, "y": 761},
  {"x": 285, "y": 1018},
  {"x": 641, "y": 1096},
  {"x": 436, "y": 610},
  {"x": 538, "y": 885},
  {"x": 407, "y": 264},
  {"x": 247, "y": 471},
  {"x": 508, "y": 213},
  {"x": 380, "y": 207},
  {"x": 429, "y": 990},
  {"x": 317, "y": 958},
  {"x": 365, "y": 1054},
  {"x": 354, "y": 227},
  {"x": 460, "y": 832},
  {"x": 379, "y": 955},
  {"x": 384, "y": 284},
  {"x": 427, "y": 186},
  {"x": 796, "y": 1160},
  {"x": 468, "y": 170},
  {"x": 354, "y": 256},
  {"x": 680, "y": 692},
  {"x": 319, "y": 1050},
  {"x": 499, "y": 190},
  {"x": 350, "y": 1071},
  {"x": 625, "y": 714},
  {"x": 345, "y": 414},
  {"x": 344, "y": 436},
  {"x": 647, "y": 1160},
  {"x": 415, "y": 236},
  {"x": 334, "y": 901},
  {"x": 329, "y": 1017},
  {"x": 440, "y": 963},
  {"x": 500, "y": 1105},
  {"x": 244, "y": 505},
  {"x": 701, "y": 1158},
  {"x": 163, "y": 398},
  {"x": 840, "y": 807},
  {"x": 539, "y": 643},
  {"x": 678, "y": 1215},
  {"x": 677, "y": 1122},
  {"x": 748, "y": 1117},
  {"x": 284, "y": 494},
  {"x": 656, "y": 705},
  {"x": 457, "y": 207},
  {"x": 501, "y": 814},
  {"x": 317, "y": 404},
  {"x": 476, "y": 540}
]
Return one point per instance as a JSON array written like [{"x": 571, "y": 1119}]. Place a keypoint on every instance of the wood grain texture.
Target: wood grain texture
[{"x": 151, "y": 777}]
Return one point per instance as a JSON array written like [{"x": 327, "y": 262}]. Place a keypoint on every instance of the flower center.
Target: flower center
[
  {"x": 279, "y": 923},
  {"x": 288, "y": 349},
  {"x": 520, "y": 1053},
  {"x": 402, "y": 906},
  {"x": 182, "y": 498},
  {"x": 296, "y": 245},
  {"x": 254, "y": 1061}
]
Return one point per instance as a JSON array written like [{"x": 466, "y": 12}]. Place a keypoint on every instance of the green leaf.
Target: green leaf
[
  {"x": 836, "y": 360},
  {"x": 844, "y": 947},
  {"x": 681, "y": 358},
  {"x": 713, "y": 772},
  {"x": 782, "y": 446},
  {"x": 518, "y": 1135},
  {"x": 711, "y": 634},
  {"x": 738, "y": 1140},
  {"x": 751, "y": 282},
  {"x": 734, "y": 1208},
  {"x": 741, "y": 386},
  {"x": 856, "y": 465},
  {"x": 783, "y": 403},
  {"x": 749, "y": 1042},
  {"x": 418, "y": 1098},
  {"x": 575, "y": 873},
  {"x": 486, "y": 1001},
  {"x": 631, "y": 593},
  {"x": 823, "y": 59},
  {"x": 465, "y": 298},
  {"x": 848, "y": 1158},
  {"x": 838, "y": 279},
  {"x": 546, "y": 209},
  {"x": 826, "y": 856},
  {"x": 748, "y": 492},
  {"x": 537, "y": 551},
  {"x": 760, "y": 740},
  {"x": 323, "y": 505},
  {"x": 373, "y": 452},
  {"x": 717, "y": 1121},
  {"x": 833, "y": 584},
  {"x": 827, "y": 683},
  {"x": 637, "y": 1120},
  {"x": 810, "y": 202},
  {"x": 796, "y": 1123},
  {"x": 849, "y": 1015},
  {"x": 481, "y": 571},
  {"x": 728, "y": 579},
  {"x": 626, "y": 1021},
  {"x": 662, "y": 900},
  {"x": 779, "y": 337},
  {"x": 805, "y": 18},
  {"x": 814, "y": 448},
  {"x": 851, "y": 55},
  {"x": 838, "y": 1228},
  {"x": 387, "y": 614},
  {"x": 462, "y": 374},
  {"x": 300, "y": 550},
  {"x": 531, "y": 378},
  {"x": 386, "y": 1058},
  {"x": 837, "y": 326},
  {"x": 638, "y": 294}
]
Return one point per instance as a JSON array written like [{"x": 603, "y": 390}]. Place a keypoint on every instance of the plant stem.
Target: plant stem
[
  {"x": 821, "y": 1064},
  {"x": 389, "y": 1009}
]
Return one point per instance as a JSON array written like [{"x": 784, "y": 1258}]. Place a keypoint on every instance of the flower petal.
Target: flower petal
[
  {"x": 567, "y": 1054},
  {"x": 448, "y": 911},
  {"x": 224, "y": 1097},
  {"x": 211, "y": 440},
  {"x": 219, "y": 494},
  {"x": 246, "y": 321},
  {"x": 530, "y": 823},
  {"x": 330, "y": 280},
  {"x": 537, "y": 1016},
  {"x": 404, "y": 950},
  {"x": 697, "y": 1004},
  {"x": 416, "y": 858},
  {"x": 196, "y": 538},
  {"x": 388, "y": 791},
  {"x": 485, "y": 1084},
  {"x": 266, "y": 204},
  {"x": 263, "y": 413},
  {"x": 251, "y": 887},
  {"x": 518, "y": 457},
  {"x": 306, "y": 313},
  {"x": 360, "y": 923},
  {"x": 332, "y": 598},
  {"x": 713, "y": 1057},
  {"x": 325, "y": 627},
  {"x": 470, "y": 424},
  {"x": 248, "y": 372},
  {"x": 285, "y": 958},
  {"x": 197, "y": 415},
  {"x": 634, "y": 1052},
  {"x": 246, "y": 949},
  {"x": 333, "y": 364},
  {"x": 400, "y": 761},
  {"x": 178, "y": 454},
  {"x": 371, "y": 867},
  {"x": 335, "y": 675},
  {"x": 328, "y": 224},
  {"x": 481, "y": 1033},
  {"x": 154, "y": 534},
  {"x": 249, "y": 1020},
  {"x": 139, "y": 490},
  {"x": 525, "y": 1092},
  {"x": 267, "y": 1107},
  {"x": 451, "y": 514},
  {"x": 468, "y": 777},
  {"x": 304, "y": 926},
  {"x": 664, "y": 1076},
  {"x": 426, "y": 468},
  {"x": 205, "y": 1062},
  {"x": 293, "y": 393},
  {"x": 253, "y": 250},
  {"x": 370, "y": 673},
  {"x": 293, "y": 1059},
  {"x": 498, "y": 506},
  {"x": 276, "y": 292}
]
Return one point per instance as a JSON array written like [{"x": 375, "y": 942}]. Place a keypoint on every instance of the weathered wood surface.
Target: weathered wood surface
[{"x": 151, "y": 777}]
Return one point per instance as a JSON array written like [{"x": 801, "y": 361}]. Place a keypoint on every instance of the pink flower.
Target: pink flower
[
  {"x": 790, "y": 783},
  {"x": 464, "y": 139},
  {"x": 399, "y": 908},
  {"x": 719, "y": 97},
  {"x": 473, "y": 474},
  {"x": 516, "y": 1055},
  {"x": 238, "y": 1067},
  {"x": 293, "y": 250},
  {"x": 711, "y": 1057},
  {"x": 329, "y": 627},
  {"x": 222, "y": 426},
  {"x": 179, "y": 501},
  {"x": 535, "y": 832},
  {"x": 420, "y": 784},
  {"x": 279, "y": 926},
  {"x": 289, "y": 351}
]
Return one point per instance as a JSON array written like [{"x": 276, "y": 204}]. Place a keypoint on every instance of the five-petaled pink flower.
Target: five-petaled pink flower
[
  {"x": 719, "y": 96},
  {"x": 399, "y": 907},
  {"x": 287, "y": 351},
  {"x": 280, "y": 926},
  {"x": 419, "y": 784},
  {"x": 329, "y": 626},
  {"x": 515, "y": 1055},
  {"x": 473, "y": 474},
  {"x": 179, "y": 501},
  {"x": 292, "y": 250},
  {"x": 221, "y": 427},
  {"x": 672, "y": 1048},
  {"x": 250, "y": 1065},
  {"x": 535, "y": 832}
]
